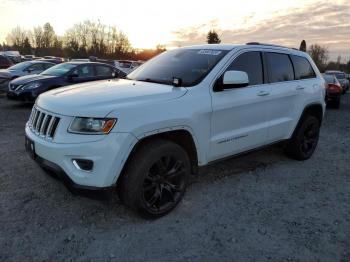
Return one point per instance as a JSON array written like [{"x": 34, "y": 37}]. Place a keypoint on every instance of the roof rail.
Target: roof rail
[{"x": 257, "y": 43}]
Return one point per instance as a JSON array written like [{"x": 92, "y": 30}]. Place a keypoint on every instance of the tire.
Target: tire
[
  {"x": 155, "y": 178},
  {"x": 336, "y": 103},
  {"x": 304, "y": 140}
]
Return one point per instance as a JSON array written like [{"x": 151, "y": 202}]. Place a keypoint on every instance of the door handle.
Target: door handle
[
  {"x": 300, "y": 88},
  {"x": 263, "y": 93}
]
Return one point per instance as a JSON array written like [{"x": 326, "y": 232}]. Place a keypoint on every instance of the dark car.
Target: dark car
[
  {"x": 334, "y": 90},
  {"x": 341, "y": 76},
  {"x": 52, "y": 59},
  {"x": 28, "y": 88},
  {"x": 5, "y": 62}
]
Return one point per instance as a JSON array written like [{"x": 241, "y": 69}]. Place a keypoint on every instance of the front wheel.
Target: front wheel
[
  {"x": 304, "y": 140},
  {"x": 155, "y": 178}
]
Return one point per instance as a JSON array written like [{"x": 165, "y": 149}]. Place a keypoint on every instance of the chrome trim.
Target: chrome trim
[{"x": 79, "y": 168}]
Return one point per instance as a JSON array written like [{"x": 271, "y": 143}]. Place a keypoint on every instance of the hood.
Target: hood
[
  {"x": 30, "y": 78},
  {"x": 5, "y": 73},
  {"x": 97, "y": 99}
]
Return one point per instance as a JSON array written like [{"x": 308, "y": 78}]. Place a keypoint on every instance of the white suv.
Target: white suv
[{"x": 181, "y": 110}]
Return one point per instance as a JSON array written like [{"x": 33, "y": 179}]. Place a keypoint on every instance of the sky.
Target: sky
[{"x": 185, "y": 22}]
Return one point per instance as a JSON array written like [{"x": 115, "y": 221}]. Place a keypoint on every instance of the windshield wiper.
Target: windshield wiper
[{"x": 150, "y": 80}]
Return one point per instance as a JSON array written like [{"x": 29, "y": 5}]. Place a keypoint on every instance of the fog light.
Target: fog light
[{"x": 83, "y": 164}]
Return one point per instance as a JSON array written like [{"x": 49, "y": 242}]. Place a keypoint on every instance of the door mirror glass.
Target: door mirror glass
[{"x": 235, "y": 79}]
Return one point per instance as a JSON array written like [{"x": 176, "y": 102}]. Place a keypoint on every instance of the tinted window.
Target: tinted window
[
  {"x": 302, "y": 67},
  {"x": 250, "y": 63},
  {"x": 36, "y": 67},
  {"x": 102, "y": 70},
  {"x": 280, "y": 67},
  {"x": 84, "y": 71},
  {"x": 47, "y": 65}
]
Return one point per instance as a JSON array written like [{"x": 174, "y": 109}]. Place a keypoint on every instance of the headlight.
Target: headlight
[
  {"x": 31, "y": 85},
  {"x": 86, "y": 125}
]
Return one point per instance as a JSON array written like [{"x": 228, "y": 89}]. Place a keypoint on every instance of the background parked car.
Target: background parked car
[
  {"x": 22, "y": 69},
  {"x": 333, "y": 90},
  {"x": 14, "y": 56},
  {"x": 53, "y": 59},
  {"x": 28, "y": 58},
  {"x": 341, "y": 76},
  {"x": 5, "y": 62},
  {"x": 127, "y": 66},
  {"x": 28, "y": 88}
]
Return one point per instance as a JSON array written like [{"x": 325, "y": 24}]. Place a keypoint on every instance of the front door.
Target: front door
[{"x": 239, "y": 119}]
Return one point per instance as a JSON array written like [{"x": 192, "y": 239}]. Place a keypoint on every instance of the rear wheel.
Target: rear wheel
[
  {"x": 305, "y": 138},
  {"x": 155, "y": 178},
  {"x": 336, "y": 103}
]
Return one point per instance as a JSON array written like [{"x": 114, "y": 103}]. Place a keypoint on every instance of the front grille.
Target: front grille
[{"x": 43, "y": 124}]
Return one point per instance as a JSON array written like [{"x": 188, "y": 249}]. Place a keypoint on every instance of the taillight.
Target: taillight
[{"x": 334, "y": 88}]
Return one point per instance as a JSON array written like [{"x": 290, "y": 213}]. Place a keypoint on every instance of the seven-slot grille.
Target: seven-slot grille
[{"x": 43, "y": 124}]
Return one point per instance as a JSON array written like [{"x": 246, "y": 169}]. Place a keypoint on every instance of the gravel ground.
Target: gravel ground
[{"x": 258, "y": 207}]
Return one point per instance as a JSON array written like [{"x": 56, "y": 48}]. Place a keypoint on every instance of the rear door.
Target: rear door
[
  {"x": 284, "y": 93},
  {"x": 239, "y": 120},
  {"x": 104, "y": 72}
]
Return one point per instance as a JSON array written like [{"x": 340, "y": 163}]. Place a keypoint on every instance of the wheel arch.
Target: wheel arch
[
  {"x": 314, "y": 109},
  {"x": 181, "y": 136}
]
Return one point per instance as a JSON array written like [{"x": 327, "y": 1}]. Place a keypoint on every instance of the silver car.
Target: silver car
[{"x": 22, "y": 69}]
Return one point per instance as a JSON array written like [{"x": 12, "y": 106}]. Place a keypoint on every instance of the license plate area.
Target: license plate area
[{"x": 30, "y": 147}]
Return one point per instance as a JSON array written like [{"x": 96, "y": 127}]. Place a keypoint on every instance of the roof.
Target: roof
[
  {"x": 229, "y": 47},
  {"x": 85, "y": 62},
  {"x": 39, "y": 61},
  {"x": 334, "y": 72},
  {"x": 213, "y": 46}
]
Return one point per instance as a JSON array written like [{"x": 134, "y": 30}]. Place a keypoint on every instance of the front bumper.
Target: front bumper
[
  {"x": 108, "y": 154},
  {"x": 21, "y": 96}
]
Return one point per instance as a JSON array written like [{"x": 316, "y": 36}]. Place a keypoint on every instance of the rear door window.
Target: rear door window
[
  {"x": 280, "y": 67},
  {"x": 250, "y": 63},
  {"x": 84, "y": 71},
  {"x": 303, "y": 68},
  {"x": 104, "y": 71}
]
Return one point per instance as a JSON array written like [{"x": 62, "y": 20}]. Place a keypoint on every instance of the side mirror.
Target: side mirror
[
  {"x": 29, "y": 70},
  {"x": 232, "y": 79}
]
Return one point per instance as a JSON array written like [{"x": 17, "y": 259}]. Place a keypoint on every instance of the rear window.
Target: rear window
[
  {"x": 329, "y": 79},
  {"x": 102, "y": 70},
  {"x": 302, "y": 67},
  {"x": 280, "y": 67},
  {"x": 340, "y": 75}
]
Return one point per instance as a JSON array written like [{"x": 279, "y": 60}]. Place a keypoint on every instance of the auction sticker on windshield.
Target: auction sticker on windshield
[{"x": 209, "y": 52}]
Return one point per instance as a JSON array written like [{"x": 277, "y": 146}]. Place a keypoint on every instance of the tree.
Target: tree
[
  {"x": 27, "y": 47},
  {"x": 213, "y": 37},
  {"x": 16, "y": 37},
  {"x": 48, "y": 36},
  {"x": 320, "y": 55},
  {"x": 303, "y": 46}
]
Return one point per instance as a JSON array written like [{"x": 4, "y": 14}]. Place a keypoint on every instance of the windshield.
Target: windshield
[
  {"x": 188, "y": 65},
  {"x": 58, "y": 70},
  {"x": 20, "y": 66}
]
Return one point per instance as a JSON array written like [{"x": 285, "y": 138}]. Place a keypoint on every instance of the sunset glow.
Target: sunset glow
[{"x": 182, "y": 22}]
